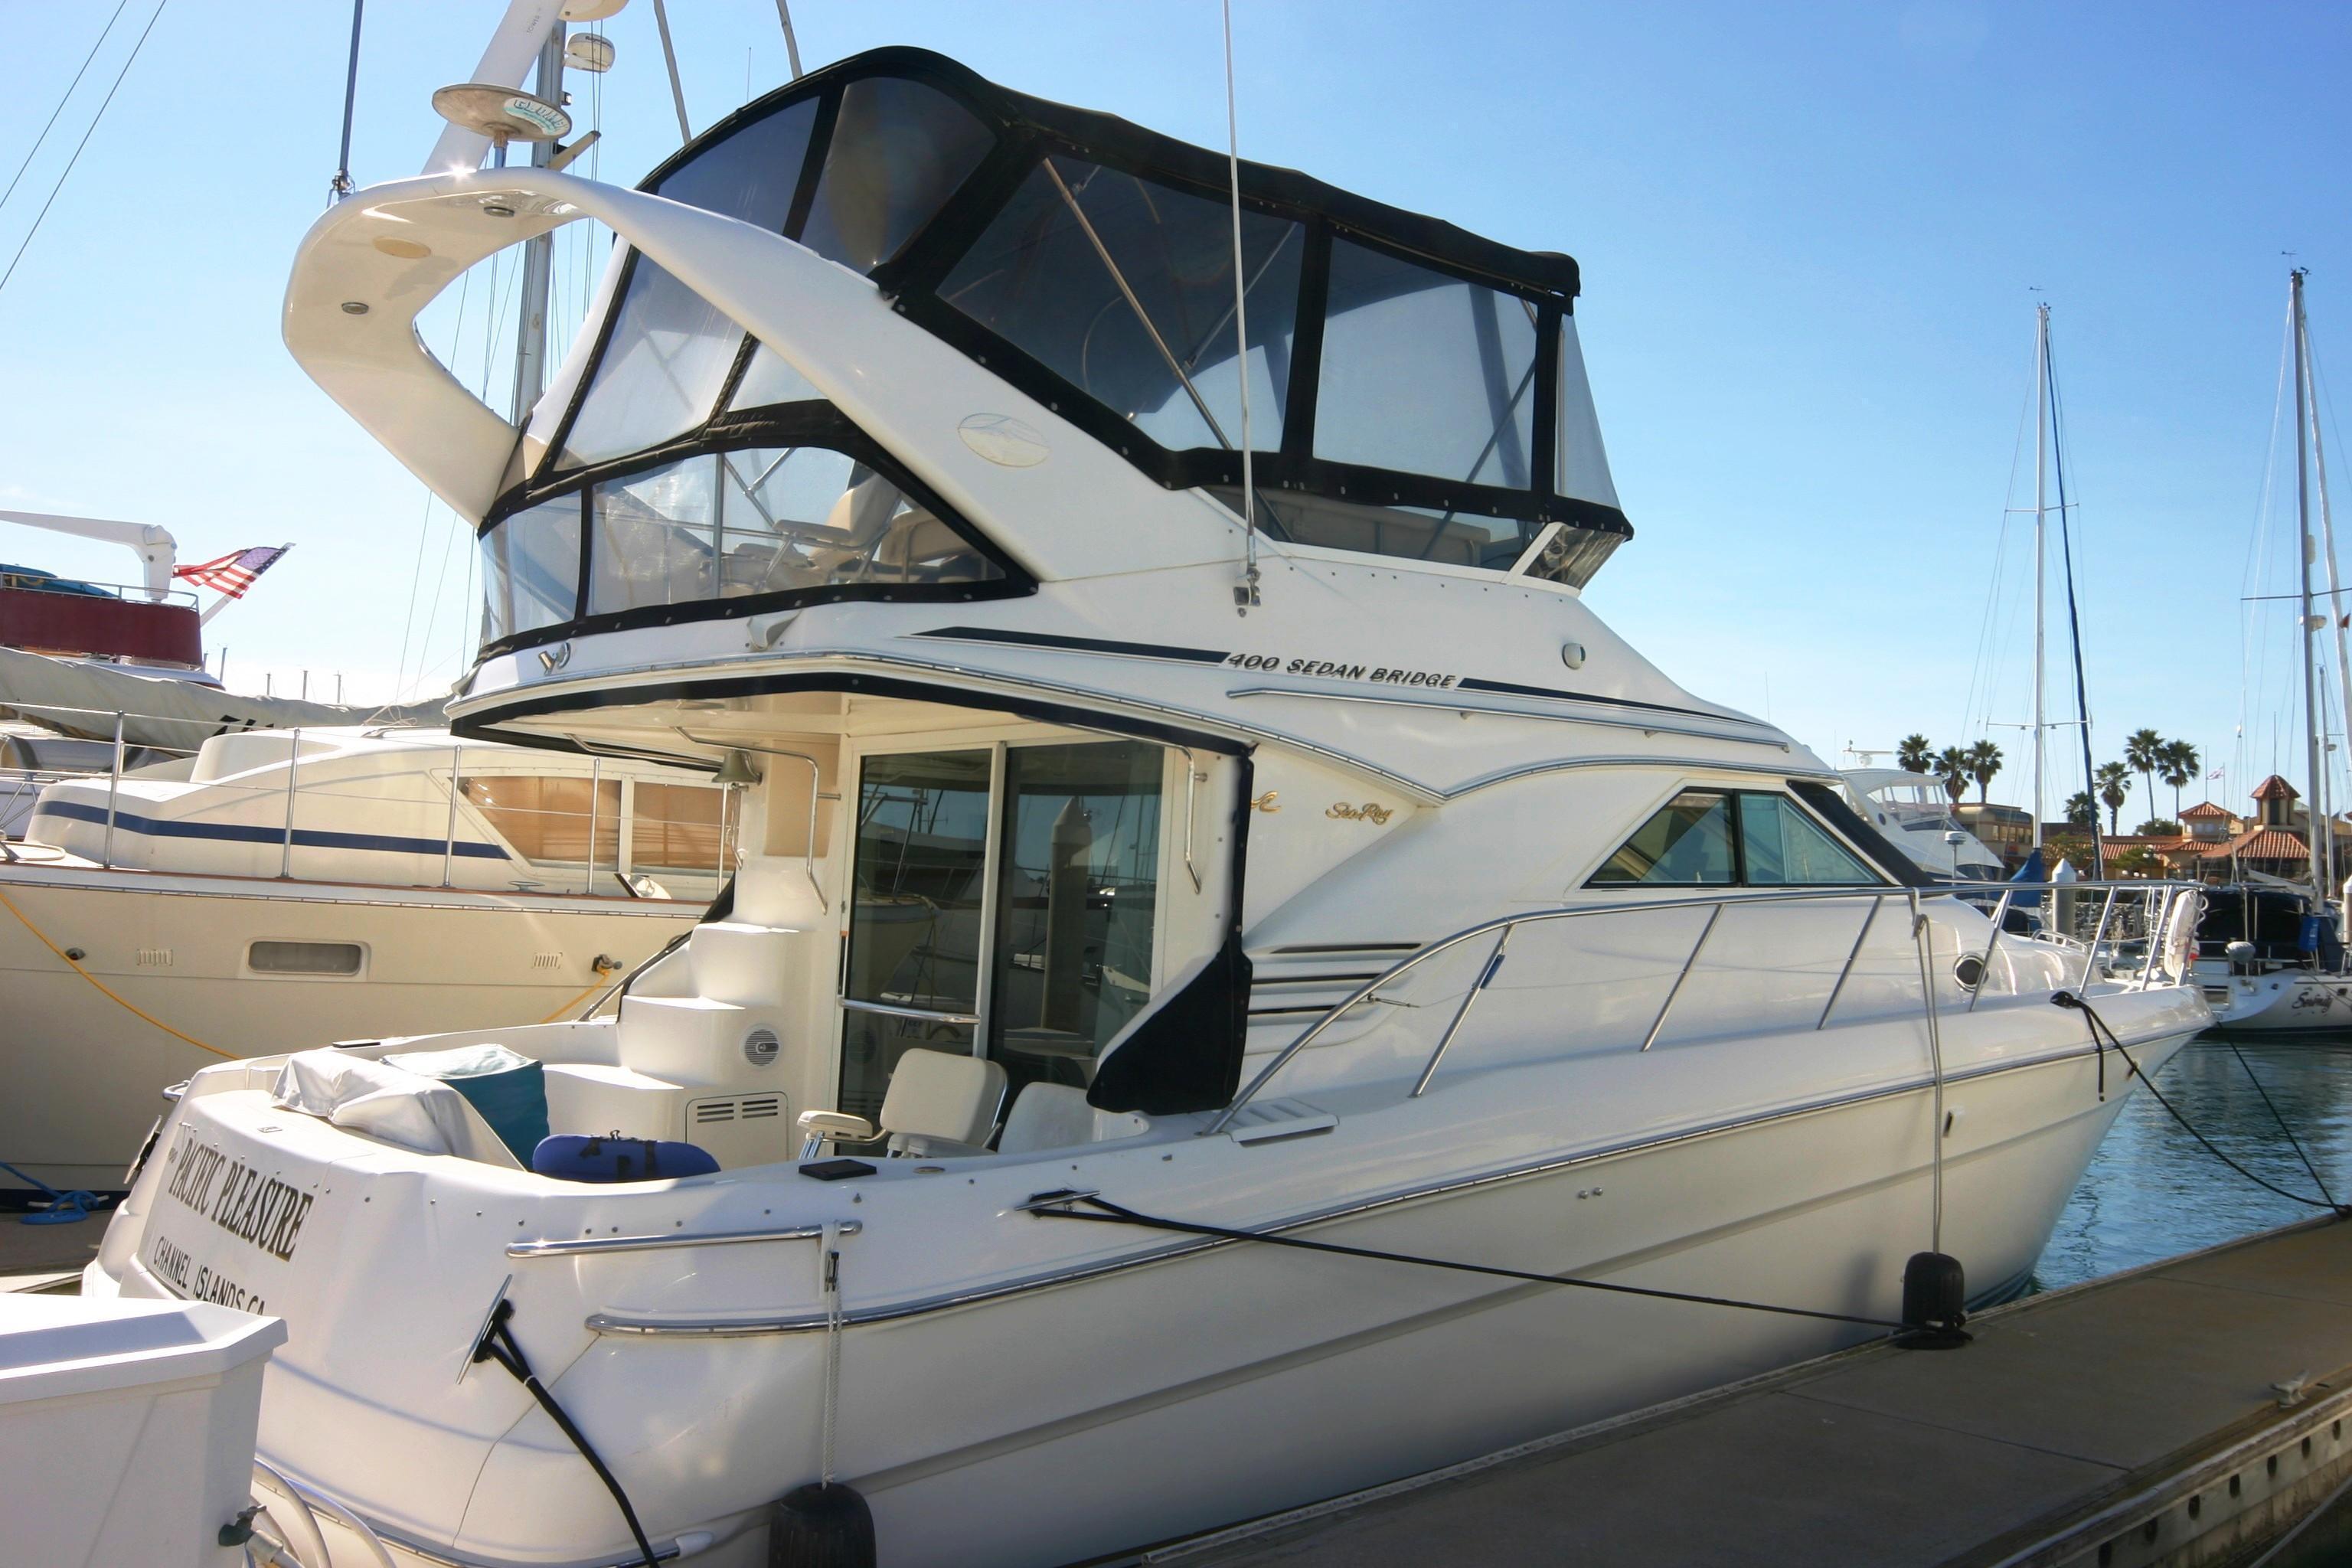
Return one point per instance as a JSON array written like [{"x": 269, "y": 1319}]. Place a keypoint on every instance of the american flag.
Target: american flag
[{"x": 233, "y": 574}]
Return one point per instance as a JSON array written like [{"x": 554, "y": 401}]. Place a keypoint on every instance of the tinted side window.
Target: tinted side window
[
  {"x": 1786, "y": 848},
  {"x": 1686, "y": 844},
  {"x": 1725, "y": 837}
]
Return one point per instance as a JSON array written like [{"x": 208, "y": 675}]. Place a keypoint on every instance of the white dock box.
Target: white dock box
[{"x": 128, "y": 1428}]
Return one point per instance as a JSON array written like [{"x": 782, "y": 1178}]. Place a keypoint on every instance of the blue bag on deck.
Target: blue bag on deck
[
  {"x": 609, "y": 1157},
  {"x": 508, "y": 1088}
]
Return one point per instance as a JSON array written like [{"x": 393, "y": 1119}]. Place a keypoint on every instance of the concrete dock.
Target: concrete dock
[{"x": 2128, "y": 1422}]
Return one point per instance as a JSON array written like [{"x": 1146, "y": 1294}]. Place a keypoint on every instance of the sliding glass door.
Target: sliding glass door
[
  {"x": 1006, "y": 904},
  {"x": 911, "y": 978}
]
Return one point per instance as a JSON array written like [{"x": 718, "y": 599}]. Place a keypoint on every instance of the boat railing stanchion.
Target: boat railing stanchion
[
  {"x": 595, "y": 788},
  {"x": 1984, "y": 976},
  {"x": 114, "y": 788},
  {"x": 2098, "y": 934},
  {"x": 450, "y": 835},
  {"x": 1485, "y": 977},
  {"x": 1713, "y": 913},
  {"x": 293, "y": 766},
  {"x": 1869, "y": 919}
]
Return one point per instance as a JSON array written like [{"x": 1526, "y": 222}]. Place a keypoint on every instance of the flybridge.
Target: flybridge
[{"x": 1417, "y": 392}]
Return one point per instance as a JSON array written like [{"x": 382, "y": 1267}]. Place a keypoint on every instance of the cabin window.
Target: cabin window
[
  {"x": 1124, "y": 288},
  {"x": 659, "y": 375},
  {"x": 679, "y": 828},
  {"x": 750, "y": 175},
  {"x": 548, "y": 818},
  {"x": 1733, "y": 838},
  {"x": 314, "y": 958},
  {"x": 765, "y": 519},
  {"x": 1425, "y": 373},
  {"x": 1687, "y": 843},
  {"x": 1784, "y": 848},
  {"x": 530, "y": 570},
  {"x": 898, "y": 151}
]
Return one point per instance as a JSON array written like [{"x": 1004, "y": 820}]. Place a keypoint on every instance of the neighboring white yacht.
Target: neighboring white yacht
[
  {"x": 282, "y": 889},
  {"x": 1098, "y": 847},
  {"x": 2268, "y": 966},
  {"x": 1915, "y": 812}
]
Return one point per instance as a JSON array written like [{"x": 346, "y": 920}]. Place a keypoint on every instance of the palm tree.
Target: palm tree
[
  {"x": 1951, "y": 765},
  {"x": 2144, "y": 750},
  {"x": 1984, "y": 761},
  {"x": 2178, "y": 767},
  {"x": 1916, "y": 754},
  {"x": 2115, "y": 788},
  {"x": 2082, "y": 811}
]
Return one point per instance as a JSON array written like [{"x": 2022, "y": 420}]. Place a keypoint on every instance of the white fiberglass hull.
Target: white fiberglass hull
[
  {"x": 2287, "y": 1001},
  {"x": 1020, "y": 1390},
  {"x": 84, "y": 1073}
]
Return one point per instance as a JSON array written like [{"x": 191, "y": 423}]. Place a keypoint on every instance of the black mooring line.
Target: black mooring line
[
  {"x": 2099, "y": 1027},
  {"x": 1113, "y": 1214},
  {"x": 498, "y": 1343}
]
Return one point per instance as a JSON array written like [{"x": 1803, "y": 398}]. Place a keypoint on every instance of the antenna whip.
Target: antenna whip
[{"x": 1245, "y": 593}]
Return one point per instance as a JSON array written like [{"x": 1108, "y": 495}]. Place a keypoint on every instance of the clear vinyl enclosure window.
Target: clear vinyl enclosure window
[
  {"x": 530, "y": 570},
  {"x": 754, "y": 173},
  {"x": 1425, "y": 373},
  {"x": 1124, "y": 288},
  {"x": 764, "y": 520},
  {"x": 898, "y": 151},
  {"x": 1724, "y": 837},
  {"x": 659, "y": 375}
]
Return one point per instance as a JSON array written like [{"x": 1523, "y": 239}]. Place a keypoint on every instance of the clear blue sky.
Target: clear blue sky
[{"x": 1807, "y": 236}]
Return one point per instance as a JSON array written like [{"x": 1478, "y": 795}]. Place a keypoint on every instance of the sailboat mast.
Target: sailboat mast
[
  {"x": 2310, "y": 633},
  {"x": 2041, "y": 518},
  {"x": 2334, "y": 595}
]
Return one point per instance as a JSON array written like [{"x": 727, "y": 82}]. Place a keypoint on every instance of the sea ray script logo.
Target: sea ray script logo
[
  {"x": 1371, "y": 811},
  {"x": 257, "y": 1209}
]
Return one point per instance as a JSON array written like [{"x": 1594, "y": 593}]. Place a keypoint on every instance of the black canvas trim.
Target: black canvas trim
[
  {"x": 1511, "y": 689},
  {"x": 1827, "y": 805},
  {"x": 1078, "y": 645},
  {"x": 1097, "y": 134},
  {"x": 787, "y": 424},
  {"x": 484, "y": 726}
]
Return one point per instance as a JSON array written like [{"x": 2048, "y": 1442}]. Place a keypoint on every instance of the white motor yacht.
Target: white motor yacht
[
  {"x": 279, "y": 889},
  {"x": 1234, "y": 822},
  {"x": 1915, "y": 812}
]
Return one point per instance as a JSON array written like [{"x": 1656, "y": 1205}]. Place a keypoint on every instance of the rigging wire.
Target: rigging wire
[
  {"x": 52, "y": 122},
  {"x": 66, "y": 173},
  {"x": 1981, "y": 679},
  {"x": 425, "y": 524},
  {"x": 2253, "y": 638}
]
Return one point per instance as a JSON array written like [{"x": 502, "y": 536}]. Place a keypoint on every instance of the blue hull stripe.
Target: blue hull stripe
[{"x": 304, "y": 837}]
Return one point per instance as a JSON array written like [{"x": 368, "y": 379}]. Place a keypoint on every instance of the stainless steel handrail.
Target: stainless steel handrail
[
  {"x": 1915, "y": 896},
  {"x": 571, "y": 1247},
  {"x": 816, "y": 793},
  {"x": 852, "y": 1004}
]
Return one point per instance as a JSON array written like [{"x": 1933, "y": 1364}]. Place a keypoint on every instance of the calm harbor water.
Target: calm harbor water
[{"x": 2152, "y": 1192}]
